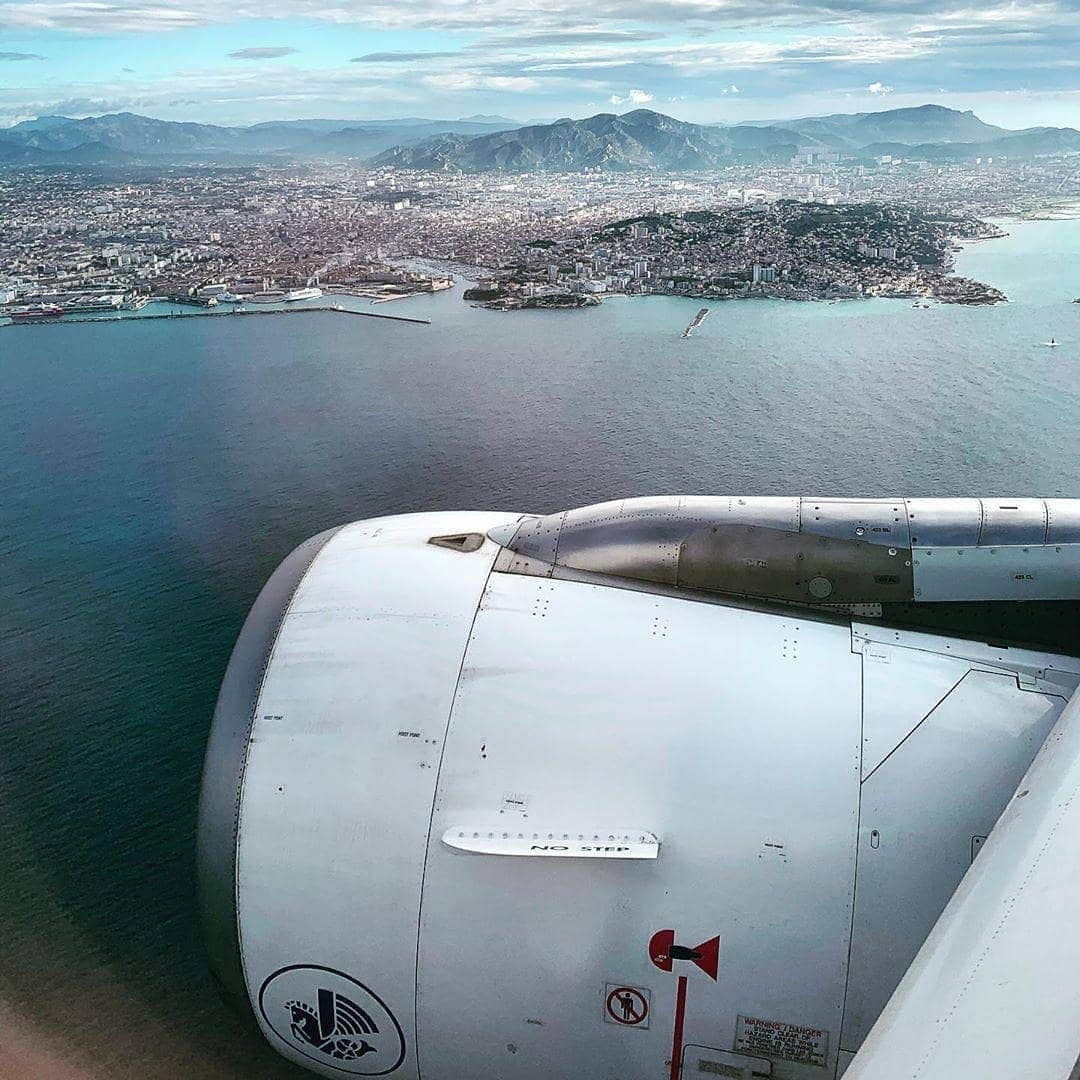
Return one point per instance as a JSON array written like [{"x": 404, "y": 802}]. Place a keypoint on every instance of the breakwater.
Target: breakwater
[{"x": 67, "y": 320}]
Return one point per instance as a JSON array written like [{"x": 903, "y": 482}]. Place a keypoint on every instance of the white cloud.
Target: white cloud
[
  {"x": 573, "y": 56},
  {"x": 635, "y": 97},
  {"x": 263, "y": 52},
  {"x": 459, "y": 81},
  {"x": 557, "y": 19}
]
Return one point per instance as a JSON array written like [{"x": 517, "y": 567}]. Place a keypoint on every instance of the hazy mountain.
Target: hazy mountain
[
  {"x": 14, "y": 152},
  {"x": 126, "y": 132},
  {"x": 645, "y": 139},
  {"x": 641, "y": 139},
  {"x": 635, "y": 140},
  {"x": 368, "y": 140},
  {"x": 119, "y": 136},
  {"x": 1029, "y": 143},
  {"x": 479, "y": 118},
  {"x": 41, "y": 123},
  {"x": 924, "y": 124}
]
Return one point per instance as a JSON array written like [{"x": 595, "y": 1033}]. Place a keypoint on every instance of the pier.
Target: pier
[{"x": 68, "y": 319}]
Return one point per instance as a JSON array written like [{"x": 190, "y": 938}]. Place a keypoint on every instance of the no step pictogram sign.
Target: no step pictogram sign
[{"x": 627, "y": 1006}]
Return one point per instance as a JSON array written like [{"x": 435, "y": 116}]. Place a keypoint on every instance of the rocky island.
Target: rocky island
[{"x": 507, "y": 298}]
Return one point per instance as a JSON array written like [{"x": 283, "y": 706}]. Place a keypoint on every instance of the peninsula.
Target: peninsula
[{"x": 785, "y": 250}]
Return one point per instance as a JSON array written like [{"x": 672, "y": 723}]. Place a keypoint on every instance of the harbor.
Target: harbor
[{"x": 337, "y": 309}]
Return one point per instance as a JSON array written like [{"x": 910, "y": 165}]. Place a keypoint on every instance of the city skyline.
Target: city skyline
[{"x": 1015, "y": 64}]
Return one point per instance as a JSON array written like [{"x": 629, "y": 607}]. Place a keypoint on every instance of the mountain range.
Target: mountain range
[
  {"x": 641, "y": 139},
  {"x": 117, "y": 138}
]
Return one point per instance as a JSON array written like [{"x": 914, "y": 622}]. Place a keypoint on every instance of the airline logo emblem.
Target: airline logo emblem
[{"x": 330, "y": 1017}]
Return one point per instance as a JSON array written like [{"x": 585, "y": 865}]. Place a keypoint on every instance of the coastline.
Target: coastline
[
  {"x": 468, "y": 276},
  {"x": 1067, "y": 210},
  {"x": 926, "y": 272}
]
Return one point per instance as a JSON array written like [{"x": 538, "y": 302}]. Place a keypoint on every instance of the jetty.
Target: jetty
[
  {"x": 236, "y": 313},
  {"x": 697, "y": 320}
]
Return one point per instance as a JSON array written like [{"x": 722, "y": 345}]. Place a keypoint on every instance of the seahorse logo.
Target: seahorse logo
[
  {"x": 324, "y": 1014},
  {"x": 334, "y": 1027}
]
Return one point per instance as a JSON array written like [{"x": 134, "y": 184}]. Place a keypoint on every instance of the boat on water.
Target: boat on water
[
  {"x": 44, "y": 313},
  {"x": 1051, "y": 344},
  {"x": 309, "y": 293},
  {"x": 698, "y": 319}
]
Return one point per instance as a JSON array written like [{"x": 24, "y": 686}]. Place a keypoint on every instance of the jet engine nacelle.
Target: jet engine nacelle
[{"x": 653, "y": 789}]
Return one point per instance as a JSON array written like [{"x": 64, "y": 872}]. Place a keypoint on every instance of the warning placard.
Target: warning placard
[
  {"x": 627, "y": 1006},
  {"x": 776, "y": 1039}
]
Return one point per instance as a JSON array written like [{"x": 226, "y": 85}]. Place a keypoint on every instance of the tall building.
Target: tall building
[{"x": 763, "y": 275}]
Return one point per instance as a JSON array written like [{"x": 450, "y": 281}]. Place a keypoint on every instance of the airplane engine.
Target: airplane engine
[{"x": 658, "y": 788}]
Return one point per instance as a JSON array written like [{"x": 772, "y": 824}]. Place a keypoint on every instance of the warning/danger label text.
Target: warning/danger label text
[{"x": 774, "y": 1038}]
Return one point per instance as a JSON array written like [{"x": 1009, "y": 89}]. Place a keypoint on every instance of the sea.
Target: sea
[{"x": 154, "y": 472}]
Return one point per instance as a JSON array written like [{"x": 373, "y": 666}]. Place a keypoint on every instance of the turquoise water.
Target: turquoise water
[{"x": 156, "y": 471}]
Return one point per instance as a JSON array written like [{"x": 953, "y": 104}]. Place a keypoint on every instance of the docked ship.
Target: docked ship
[
  {"x": 192, "y": 300},
  {"x": 284, "y": 296},
  {"x": 44, "y": 313},
  {"x": 92, "y": 303}
]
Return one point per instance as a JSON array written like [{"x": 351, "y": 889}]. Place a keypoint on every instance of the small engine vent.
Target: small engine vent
[{"x": 459, "y": 541}]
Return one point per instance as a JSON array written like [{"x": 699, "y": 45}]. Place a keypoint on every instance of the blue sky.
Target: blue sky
[{"x": 1015, "y": 62}]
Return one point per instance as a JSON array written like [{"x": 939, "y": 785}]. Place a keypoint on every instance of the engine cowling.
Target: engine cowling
[{"x": 599, "y": 794}]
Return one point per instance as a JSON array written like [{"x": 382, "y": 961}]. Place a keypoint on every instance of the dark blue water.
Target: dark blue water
[{"x": 155, "y": 472}]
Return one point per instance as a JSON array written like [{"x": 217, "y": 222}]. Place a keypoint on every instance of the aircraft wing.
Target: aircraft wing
[{"x": 994, "y": 990}]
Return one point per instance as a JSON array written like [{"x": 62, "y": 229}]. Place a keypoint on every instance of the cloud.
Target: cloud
[
  {"x": 20, "y": 56},
  {"x": 80, "y": 106},
  {"x": 789, "y": 57},
  {"x": 263, "y": 52},
  {"x": 635, "y": 97},
  {"x": 459, "y": 81},
  {"x": 567, "y": 37},
  {"x": 525, "y": 17},
  {"x": 398, "y": 57},
  {"x": 104, "y": 16}
]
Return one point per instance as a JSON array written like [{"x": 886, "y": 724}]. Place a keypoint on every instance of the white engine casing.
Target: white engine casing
[{"x": 389, "y": 694}]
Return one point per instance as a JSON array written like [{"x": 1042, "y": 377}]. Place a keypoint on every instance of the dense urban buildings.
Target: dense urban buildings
[{"x": 105, "y": 239}]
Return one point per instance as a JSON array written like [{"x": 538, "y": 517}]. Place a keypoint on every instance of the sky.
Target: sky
[{"x": 1014, "y": 62}]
